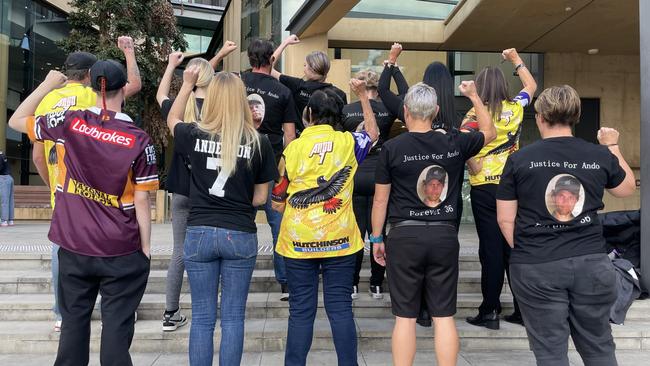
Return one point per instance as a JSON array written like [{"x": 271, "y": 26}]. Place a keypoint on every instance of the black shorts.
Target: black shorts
[{"x": 422, "y": 258}]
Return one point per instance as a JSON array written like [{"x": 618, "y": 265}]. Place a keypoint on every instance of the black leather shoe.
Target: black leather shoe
[
  {"x": 489, "y": 320},
  {"x": 515, "y": 318}
]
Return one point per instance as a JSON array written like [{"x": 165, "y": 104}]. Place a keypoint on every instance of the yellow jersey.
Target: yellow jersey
[
  {"x": 73, "y": 96},
  {"x": 495, "y": 154},
  {"x": 318, "y": 219}
]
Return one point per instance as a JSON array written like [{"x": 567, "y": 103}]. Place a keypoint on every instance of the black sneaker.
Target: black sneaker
[
  {"x": 376, "y": 292},
  {"x": 285, "y": 292},
  {"x": 355, "y": 292},
  {"x": 173, "y": 320}
]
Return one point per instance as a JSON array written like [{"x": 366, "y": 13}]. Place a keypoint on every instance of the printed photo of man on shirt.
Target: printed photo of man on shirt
[
  {"x": 432, "y": 187},
  {"x": 256, "y": 104},
  {"x": 563, "y": 198}
]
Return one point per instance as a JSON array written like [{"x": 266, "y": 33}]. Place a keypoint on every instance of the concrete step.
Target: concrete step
[
  {"x": 34, "y": 307},
  {"x": 263, "y": 280},
  {"x": 37, "y": 337},
  {"x": 34, "y": 261}
]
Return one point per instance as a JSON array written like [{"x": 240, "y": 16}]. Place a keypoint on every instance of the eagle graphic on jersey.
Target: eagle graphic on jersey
[
  {"x": 325, "y": 192},
  {"x": 510, "y": 145}
]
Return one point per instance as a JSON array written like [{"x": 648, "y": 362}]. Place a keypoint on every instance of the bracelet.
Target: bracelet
[
  {"x": 375, "y": 239},
  {"x": 519, "y": 66}
]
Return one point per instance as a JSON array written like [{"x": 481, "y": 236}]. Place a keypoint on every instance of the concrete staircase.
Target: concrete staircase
[{"x": 26, "y": 301}]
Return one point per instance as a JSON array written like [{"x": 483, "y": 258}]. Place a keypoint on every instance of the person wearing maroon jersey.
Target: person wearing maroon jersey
[{"x": 102, "y": 218}]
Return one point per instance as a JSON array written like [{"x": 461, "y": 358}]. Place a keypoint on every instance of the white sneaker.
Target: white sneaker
[
  {"x": 173, "y": 321},
  {"x": 355, "y": 292},
  {"x": 57, "y": 326},
  {"x": 376, "y": 292}
]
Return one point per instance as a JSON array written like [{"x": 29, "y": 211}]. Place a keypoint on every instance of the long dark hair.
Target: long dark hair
[
  {"x": 325, "y": 106},
  {"x": 437, "y": 76},
  {"x": 492, "y": 87}
]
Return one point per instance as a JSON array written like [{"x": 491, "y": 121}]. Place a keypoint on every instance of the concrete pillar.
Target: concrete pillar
[
  {"x": 4, "y": 84},
  {"x": 644, "y": 50},
  {"x": 232, "y": 32}
]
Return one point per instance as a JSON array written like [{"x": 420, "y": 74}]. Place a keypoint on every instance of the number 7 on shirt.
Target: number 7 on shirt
[{"x": 222, "y": 178}]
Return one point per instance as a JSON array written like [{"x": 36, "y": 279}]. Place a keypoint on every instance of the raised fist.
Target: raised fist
[
  {"x": 175, "y": 59},
  {"x": 292, "y": 39},
  {"x": 54, "y": 80},
  {"x": 358, "y": 86},
  {"x": 395, "y": 51},
  {"x": 607, "y": 136},
  {"x": 468, "y": 88},
  {"x": 191, "y": 75},
  {"x": 125, "y": 43}
]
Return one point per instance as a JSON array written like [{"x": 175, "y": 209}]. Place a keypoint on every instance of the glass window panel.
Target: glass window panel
[{"x": 403, "y": 9}]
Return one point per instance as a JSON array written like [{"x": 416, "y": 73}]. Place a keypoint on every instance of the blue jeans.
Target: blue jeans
[
  {"x": 55, "y": 280},
  {"x": 7, "y": 198},
  {"x": 216, "y": 256},
  {"x": 302, "y": 275},
  {"x": 275, "y": 219}
]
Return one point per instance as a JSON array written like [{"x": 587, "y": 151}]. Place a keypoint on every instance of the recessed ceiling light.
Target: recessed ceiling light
[
  {"x": 593, "y": 51},
  {"x": 568, "y": 9}
]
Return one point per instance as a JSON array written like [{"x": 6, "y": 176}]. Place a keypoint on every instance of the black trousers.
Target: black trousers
[
  {"x": 121, "y": 281},
  {"x": 565, "y": 297},
  {"x": 494, "y": 251},
  {"x": 362, "y": 206}
]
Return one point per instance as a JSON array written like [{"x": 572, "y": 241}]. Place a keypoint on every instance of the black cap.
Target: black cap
[
  {"x": 436, "y": 173},
  {"x": 112, "y": 70},
  {"x": 78, "y": 61},
  {"x": 567, "y": 183}
]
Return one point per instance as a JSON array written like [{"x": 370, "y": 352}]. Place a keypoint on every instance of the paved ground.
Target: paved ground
[{"x": 326, "y": 358}]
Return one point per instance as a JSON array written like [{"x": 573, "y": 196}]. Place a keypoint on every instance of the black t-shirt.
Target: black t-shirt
[
  {"x": 178, "y": 179},
  {"x": 277, "y": 108},
  {"x": 353, "y": 116},
  {"x": 423, "y": 170},
  {"x": 224, "y": 202},
  {"x": 302, "y": 91},
  {"x": 4, "y": 164},
  {"x": 558, "y": 183}
]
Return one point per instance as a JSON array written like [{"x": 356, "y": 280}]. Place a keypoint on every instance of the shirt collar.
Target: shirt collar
[
  {"x": 317, "y": 129},
  {"x": 118, "y": 115}
]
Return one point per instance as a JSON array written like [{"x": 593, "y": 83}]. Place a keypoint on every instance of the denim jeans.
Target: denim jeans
[
  {"x": 7, "y": 198},
  {"x": 302, "y": 275},
  {"x": 215, "y": 256},
  {"x": 274, "y": 219},
  {"x": 55, "y": 280}
]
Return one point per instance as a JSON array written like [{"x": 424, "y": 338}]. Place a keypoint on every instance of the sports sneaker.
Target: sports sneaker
[
  {"x": 10, "y": 222},
  {"x": 4, "y": 223},
  {"x": 57, "y": 326},
  {"x": 355, "y": 292},
  {"x": 376, "y": 292},
  {"x": 173, "y": 320},
  {"x": 285, "y": 292}
]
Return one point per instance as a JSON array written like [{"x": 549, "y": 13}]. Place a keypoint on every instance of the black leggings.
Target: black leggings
[{"x": 362, "y": 211}]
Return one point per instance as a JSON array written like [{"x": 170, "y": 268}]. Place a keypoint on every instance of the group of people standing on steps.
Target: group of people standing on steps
[{"x": 328, "y": 174}]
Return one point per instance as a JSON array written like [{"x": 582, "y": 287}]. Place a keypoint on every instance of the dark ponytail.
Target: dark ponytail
[{"x": 325, "y": 108}]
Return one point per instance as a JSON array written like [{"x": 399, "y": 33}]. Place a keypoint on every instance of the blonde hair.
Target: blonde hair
[
  {"x": 370, "y": 77},
  {"x": 192, "y": 112},
  {"x": 226, "y": 114},
  {"x": 319, "y": 63},
  {"x": 559, "y": 105}
]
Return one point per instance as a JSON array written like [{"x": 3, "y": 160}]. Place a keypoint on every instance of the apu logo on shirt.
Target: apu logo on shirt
[
  {"x": 119, "y": 138},
  {"x": 321, "y": 149},
  {"x": 66, "y": 102}
]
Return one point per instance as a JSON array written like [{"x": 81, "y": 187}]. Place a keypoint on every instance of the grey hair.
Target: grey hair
[{"x": 421, "y": 101}]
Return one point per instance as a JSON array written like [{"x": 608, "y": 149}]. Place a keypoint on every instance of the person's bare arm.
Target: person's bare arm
[
  {"x": 26, "y": 109},
  {"x": 143, "y": 216},
  {"x": 483, "y": 118},
  {"x": 190, "y": 75},
  {"x": 173, "y": 60},
  {"x": 369, "y": 121},
  {"x": 38, "y": 157},
  {"x": 227, "y": 48},
  {"x": 125, "y": 44},
  {"x": 527, "y": 79},
  {"x": 506, "y": 213},
  {"x": 260, "y": 194},
  {"x": 609, "y": 137},
  {"x": 289, "y": 130},
  {"x": 292, "y": 39},
  {"x": 378, "y": 219}
]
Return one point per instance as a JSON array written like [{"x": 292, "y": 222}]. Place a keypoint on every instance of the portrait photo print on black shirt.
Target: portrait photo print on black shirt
[
  {"x": 279, "y": 106},
  {"x": 178, "y": 178},
  {"x": 558, "y": 184},
  {"x": 424, "y": 172},
  {"x": 219, "y": 200}
]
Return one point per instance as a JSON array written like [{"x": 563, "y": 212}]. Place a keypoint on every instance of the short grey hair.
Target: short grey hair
[{"x": 421, "y": 101}]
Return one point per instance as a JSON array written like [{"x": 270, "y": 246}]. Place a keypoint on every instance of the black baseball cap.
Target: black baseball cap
[
  {"x": 567, "y": 183},
  {"x": 112, "y": 71},
  {"x": 436, "y": 173},
  {"x": 78, "y": 61}
]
